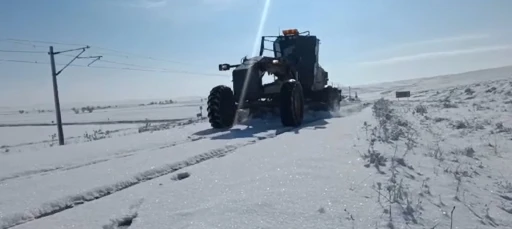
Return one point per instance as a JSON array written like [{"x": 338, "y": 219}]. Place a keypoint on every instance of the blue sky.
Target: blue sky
[{"x": 361, "y": 42}]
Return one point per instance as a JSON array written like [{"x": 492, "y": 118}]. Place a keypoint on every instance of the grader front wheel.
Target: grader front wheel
[{"x": 221, "y": 107}]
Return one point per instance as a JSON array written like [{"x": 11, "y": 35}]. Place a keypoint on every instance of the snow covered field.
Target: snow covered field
[
  {"x": 439, "y": 159},
  {"x": 33, "y": 129}
]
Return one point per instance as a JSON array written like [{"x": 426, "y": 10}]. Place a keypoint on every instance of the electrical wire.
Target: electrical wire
[
  {"x": 21, "y": 51},
  {"x": 120, "y": 53},
  {"x": 117, "y": 68},
  {"x": 137, "y": 67},
  {"x": 134, "y": 67},
  {"x": 22, "y": 43},
  {"x": 42, "y": 42},
  {"x": 142, "y": 66}
]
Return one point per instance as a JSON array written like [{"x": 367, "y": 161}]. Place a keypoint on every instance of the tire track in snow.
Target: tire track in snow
[
  {"x": 94, "y": 122},
  {"x": 126, "y": 220},
  {"x": 47, "y": 170},
  {"x": 68, "y": 202},
  {"x": 121, "y": 154},
  {"x": 348, "y": 109}
]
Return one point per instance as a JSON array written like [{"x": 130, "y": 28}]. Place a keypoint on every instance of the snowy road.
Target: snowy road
[
  {"x": 64, "y": 179},
  {"x": 231, "y": 183}
]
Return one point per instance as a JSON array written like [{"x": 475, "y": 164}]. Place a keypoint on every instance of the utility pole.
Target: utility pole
[
  {"x": 60, "y": 132},
  {"x": 52, "y": 54}
]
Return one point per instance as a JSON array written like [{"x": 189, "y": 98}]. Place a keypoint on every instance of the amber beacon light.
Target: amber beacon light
[{"x": 290, "y": 32}]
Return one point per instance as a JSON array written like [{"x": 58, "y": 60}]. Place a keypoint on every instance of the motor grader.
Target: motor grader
[{"x": 299, "y": 83}]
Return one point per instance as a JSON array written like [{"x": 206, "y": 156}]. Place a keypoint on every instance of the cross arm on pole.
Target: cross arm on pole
[
  {"x": 76, "y": 57},
  {"x": 96, "y": 58},
  {"x": 71, "y": 50}
]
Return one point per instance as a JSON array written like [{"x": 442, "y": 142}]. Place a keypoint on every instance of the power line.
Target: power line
[
  {"x": 21, "y": 51},
  {"x": 23, "y": 61},
  {"x": 120, "y": 63},
  {"x": 21, "y": 43},
  {"x": 155, "y": 69},
  {"x": 42, "y": 42},
  {"x": 137, "y": 67},
  {"x": 117, "y": 68},
  {"x": 125, "y": 54}
]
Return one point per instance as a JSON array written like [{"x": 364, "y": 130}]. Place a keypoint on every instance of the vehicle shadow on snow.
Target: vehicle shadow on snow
[
  {"x": 253, "y": 127},
  {"x": 209, "y": 132}
]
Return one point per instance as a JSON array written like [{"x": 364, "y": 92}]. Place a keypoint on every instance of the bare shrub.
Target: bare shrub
[
  {"x": 396, "y": 193},
  {"x": 469, "y": 91},
  {"x": 494, "y": 142},
  {"x": 490, "y": 90},
  {"x": 381, "y": 110},
  {"x": 437, "y": 152},
  {"x": 376, "y": 159},
  {"x": 391, "y": 127},
  {"x": 459, "y": 124},
  {"x": 5, "y": 148},
  {"x": 505, "y": 185},
  {"x": 89, "y": 109},
  {"x": 420, "y": 109},
  {"x": 149, "y": 127},
  {"x": 96, "y": 135},
  {"x": 53, "y": 139},
  {"x": 373, "y": 157},
  {"x": 450, "y": 105},
  {"x": 440, "y": 119},
  {"x": 500, "y": 128},
  {"x": 468, "y": 152}
]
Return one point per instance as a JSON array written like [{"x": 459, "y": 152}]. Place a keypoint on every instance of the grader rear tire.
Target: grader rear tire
[{"x": 291, "y": 104}]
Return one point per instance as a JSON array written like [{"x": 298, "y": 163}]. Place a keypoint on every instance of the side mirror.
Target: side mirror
[{"x": 224, "y": 67}]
